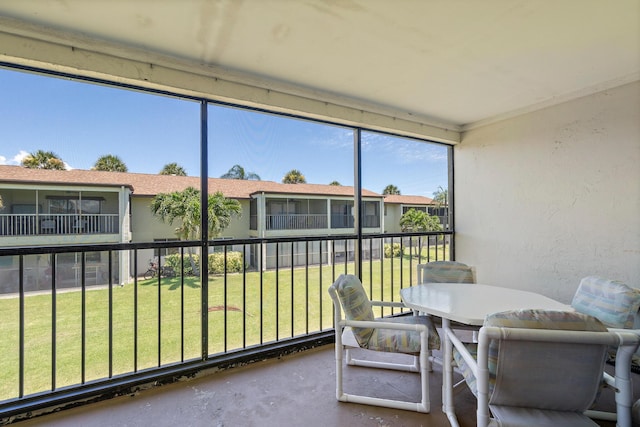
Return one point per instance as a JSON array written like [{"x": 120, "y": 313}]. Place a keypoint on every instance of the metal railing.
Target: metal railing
[
  {"x": 57, "y": 224},
  {"x": 296, "y": 221},
  {"x": 110, "y": 333}
]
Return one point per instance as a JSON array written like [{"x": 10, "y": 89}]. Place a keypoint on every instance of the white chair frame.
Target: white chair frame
[
  {"x": 345, "y": 340},
  {"x": 626, "y": 342}
]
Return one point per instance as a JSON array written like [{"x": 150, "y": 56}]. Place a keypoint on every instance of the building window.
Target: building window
[
  {"x": 74, "y": 205},
  {"x": 165, "y": 251}
]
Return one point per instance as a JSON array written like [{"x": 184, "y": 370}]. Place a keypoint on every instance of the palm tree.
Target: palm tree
[
  {"x": 43, "y": 160},
  {"x": 294, "y": 176},
  {"x": 173, "y": 169},
  {"x": 238, "y": 172},
  {"x": 390, "y": 189},
  {"x": 441, "y": 197},
  {"x": 184, "y": 206},
  {"x": 335, "y": 183},
  {"x": 414, "y": 220},
  {"x": 109, "y": 163}
]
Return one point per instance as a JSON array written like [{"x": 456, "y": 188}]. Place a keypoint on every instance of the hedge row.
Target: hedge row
[{"x": 215, "y": 262}]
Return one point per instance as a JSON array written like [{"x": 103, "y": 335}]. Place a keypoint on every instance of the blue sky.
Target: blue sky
[{"x": 80, "y": 122}]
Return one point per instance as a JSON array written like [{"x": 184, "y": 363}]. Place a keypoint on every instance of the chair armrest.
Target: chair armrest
[
  {"x": 633, "y": 331},
  {"x": 388, "y": 304},
  {"x": 383, "y": 325}
]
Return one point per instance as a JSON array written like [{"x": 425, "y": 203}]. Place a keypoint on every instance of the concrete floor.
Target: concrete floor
[{"x": 297, "y": 390}]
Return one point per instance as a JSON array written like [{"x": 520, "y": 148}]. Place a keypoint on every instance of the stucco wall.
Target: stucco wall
[
  {"x": 393, "y": 213},
  {"x": 552, "y": 196}
]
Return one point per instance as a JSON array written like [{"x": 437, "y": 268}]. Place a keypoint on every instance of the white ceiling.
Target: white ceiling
[{"x": 452, "y": 62}]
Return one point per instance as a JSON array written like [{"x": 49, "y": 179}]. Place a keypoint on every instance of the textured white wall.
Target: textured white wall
[{"x": 549, "y": 197}]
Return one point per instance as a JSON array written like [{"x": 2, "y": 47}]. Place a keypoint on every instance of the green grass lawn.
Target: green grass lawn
[{"x": 169, "y": 321}]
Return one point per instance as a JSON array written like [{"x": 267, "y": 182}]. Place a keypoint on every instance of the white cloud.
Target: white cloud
[{"x": 17, "y": 159}]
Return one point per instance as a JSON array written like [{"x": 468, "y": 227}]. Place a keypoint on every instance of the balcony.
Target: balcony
[
  {"x": 90, "y": 342},
  {"x": 57, "y": 224},
  {"x": 546, "y": 187},
  {"x": 296, "y": 221},
  {"x": 316, "y": 221}
]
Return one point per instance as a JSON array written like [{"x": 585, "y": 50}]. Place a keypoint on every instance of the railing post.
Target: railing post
[{"x": 204, "y": 229}]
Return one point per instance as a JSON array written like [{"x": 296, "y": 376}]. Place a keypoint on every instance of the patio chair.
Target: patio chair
[
  {"x": 447, "y": 272},
  {"x": 546, "y": 368},
  {"x": 613, "y": 303},
  {"x": 411, "y": 335}
]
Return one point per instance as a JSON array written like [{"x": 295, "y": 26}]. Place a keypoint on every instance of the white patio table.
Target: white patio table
[{"x": 467, "y": 303}]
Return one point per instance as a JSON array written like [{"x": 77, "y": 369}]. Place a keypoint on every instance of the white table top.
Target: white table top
[{"x": 470, "y": 303}]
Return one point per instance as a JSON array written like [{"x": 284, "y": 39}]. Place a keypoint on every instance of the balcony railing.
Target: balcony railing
[
  {"x": 108, "y": 334},
  {"x": 56, "y": 224},
  {"x": 296, "y": 221}
]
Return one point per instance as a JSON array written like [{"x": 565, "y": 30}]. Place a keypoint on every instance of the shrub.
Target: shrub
[
  {"x": 215, "y": 263},
  {"x": 173, "y": 261},
  {"x": 392, "y": 251},
  {"x": 234, "y": 262}
]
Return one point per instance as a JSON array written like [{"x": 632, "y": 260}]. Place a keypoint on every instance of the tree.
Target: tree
[
  {"x": 415, "y": 220},
  {"x": 390, "y": 189},
  {"x": 335, "y": 183},
  {"x": 43, "y": 160},
  {"x": 109, "y": 163},
  {"x": 294, "y": 176},
  {"x": 238, "y": 172},
  {"x": 173, "y": 169},
  {"x": 441, "y": 200},
  {"x": 441, "y": 196},
  {"x": 184, "y": 206}
]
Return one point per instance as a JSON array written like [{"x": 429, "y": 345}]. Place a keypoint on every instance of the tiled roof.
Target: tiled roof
[
  {"x": 150, "y": 185},
  {"x": 407, "y": 200}
]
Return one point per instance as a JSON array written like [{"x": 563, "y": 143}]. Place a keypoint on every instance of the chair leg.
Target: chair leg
[
  {"x": 338, "y": 354},
  {"x": 429, "y": 364},
  {"x": 412, "y": 367},
  {"x": 425, "y": 368},
  {"x": 420, "y": 364}
]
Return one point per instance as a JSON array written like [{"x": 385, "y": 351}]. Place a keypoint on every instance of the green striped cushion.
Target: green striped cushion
[
  {"x": 545, "y": 319},
  {"x": 355, "y": 304},
  {"x": 446, "y": 272},
  {"x": 403, "y": 341},
  {"x": 466, "y": 371},
  {"x": 613, "y": 303}
]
